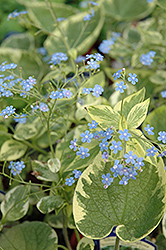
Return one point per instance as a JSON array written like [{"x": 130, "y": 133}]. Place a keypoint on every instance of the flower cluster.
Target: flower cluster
[
  {"x": 16, "y": 167},
  {"x": 106, "y": 45},
  {"x": 96, "y": 91},
  {"x": 57, "y": 58},
  {"x": 8, "y": 111},
  {"x": 20, "y": 118},
  {"x": 126, "y": 169},
  {"x": 120, "y": 74},
  {"x": 59, "y": 94},
  {"x": 146, "y": 59},
  {"x": 71, "y": 180},
  {"x": 93, "y": 63},
  {"x": 163, "y": 94},
  {"x": 4, "y": 66},
  {"x": 15, "y": 14}
]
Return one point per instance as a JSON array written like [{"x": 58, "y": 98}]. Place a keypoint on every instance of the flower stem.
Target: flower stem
[{"x": 117, "y": 243}]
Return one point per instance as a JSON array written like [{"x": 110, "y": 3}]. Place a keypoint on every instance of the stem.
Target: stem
[
  {"x": 65, "y": 248},
  {"x": 49, "y": 137},
  {"x": 117, "y": 243},
  {"x": 77, "y": 235},
  {"x": 64, "y": 38},
  {"x": 66, "y": 234},
  {"x": 34, "y": 147}
]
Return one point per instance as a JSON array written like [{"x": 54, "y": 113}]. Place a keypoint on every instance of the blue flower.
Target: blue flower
[
  {"x": 117, "y": 74},
  {"x": 73, "y": 144},
  {"x": 124, "y": 134},
  {"x": 93, "y": 124},
  {"x": 150, "y": 1},
  {"x": 103, "y": 145},
  {"x": 162, "y": 136},
  {"x": 60, "y": 19},
  {"x": 16, "y": 167},
  {"x": 151, "y": 152},
  {"x": 77, "y": 173},
  {"x": 15, "y": 14},
  {"x": 115, "y": 146},
  {"x": 145, "y": 59},
  {"x": 57, "y": 58},
  {"x": 124, "y": 181},
  {"x": 86, "y": 136},
  {"x": 98, "y": 57},
  {"x": 162, "y": 154},
  {"x": 92, "y": 64},
  {"x": 132, "y": 173},
  {"x": 86, "y": 90},
  {"x": 115, "y": 35},
  {"x": 151, "y": 53},
  {"x": 93, "y": 3},
  {"x": 105, "y": 46},
  {"x": 54, "y": 95},
  {"x": 139, "y": 163},
  {"x": 9, "y": 110},
  {"x": 67, "y": 93},
  {"x": 20, "y": 118},
  {"x": 80, "y": 59},
  {"x": 133, "y": 78},
  {"x": 97, "y": 90},
  {"x": 107, "y": 179},
  {"x": 105, "y": 155},
  {"x": 130, "y": 157},
  {"x": 87, "y": 17},
  {"x": 163, "y": 94},
  {"x": 83, "y": 152},
  {"x": 149, "y": 129},
  {"x": 120, "y": 87},
  {"x": 43, "y": 107},
  {"x": 108, "y": 133},
  {"x": 69, "y": 181},
  {"x": 117, "y": 168}
]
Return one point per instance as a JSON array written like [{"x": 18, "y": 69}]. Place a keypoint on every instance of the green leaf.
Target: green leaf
[
  {"x": 151, "y": 37},
  {"x": 56, "y": 221},
  {"x": 164, "y": 225},
  {"x": 79, "y": 163},
  {"x": 156, "y": 119},
  {"x": 133, "y": 10},
  {"x": 43, "y": 172},
  {"x": 136, "y": 209},
  {"x": 104, "y": 115},
  {"x": 80, "y": 35},
  {"x": 41, "y": 16},
  {"x": 25, "y": 132},
  {"x": 85, "y": 244},
  {"x": 122, "y": 123},
  {"x": 27, "y": 60},
  {"x": 16, "y": 204},
  {"x": 49, "y": 203},
  {"x": 54, "y": 165},
  {"x": 159, "y": 77},
  {"x": 29, "y": 236},
  {"x": 160, "y": 242},
  {"x": 129, "y": 102},
  {"x": 19, "y": 41},
  {"x": 4, "y": 136},
  {"x": 137, "y": 114},
  {"x": 12, "y": 150}
]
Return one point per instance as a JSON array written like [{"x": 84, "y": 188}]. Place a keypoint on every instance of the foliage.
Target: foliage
[{"x": 82, "y": 121}]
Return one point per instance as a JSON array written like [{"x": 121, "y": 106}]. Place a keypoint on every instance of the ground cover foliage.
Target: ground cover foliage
[{"x": 82, "y": 123}]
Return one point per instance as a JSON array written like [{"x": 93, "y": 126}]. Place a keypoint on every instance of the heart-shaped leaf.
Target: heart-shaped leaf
[
  {"x": 136, "y": 209},
  {"x": 29, "y": 235},
  {"x": 72, "y": 27}
]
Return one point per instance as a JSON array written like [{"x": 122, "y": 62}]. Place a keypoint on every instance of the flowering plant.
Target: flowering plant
[{"x": 77, "y": 141}]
